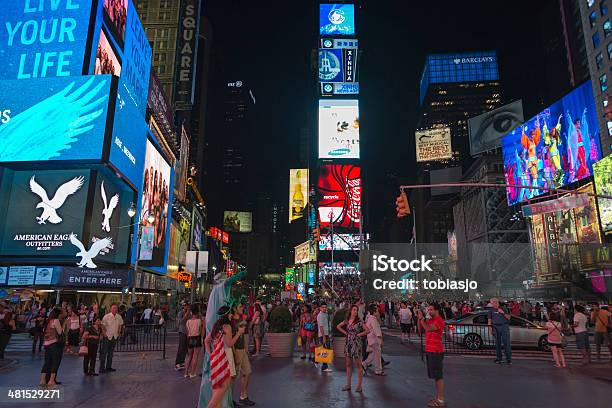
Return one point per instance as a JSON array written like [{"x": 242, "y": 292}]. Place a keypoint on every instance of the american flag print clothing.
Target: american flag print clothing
[{"x": 219, "y": 366}]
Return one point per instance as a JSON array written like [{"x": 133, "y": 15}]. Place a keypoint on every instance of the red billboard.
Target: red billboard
[{"x": 340, "y": 189}]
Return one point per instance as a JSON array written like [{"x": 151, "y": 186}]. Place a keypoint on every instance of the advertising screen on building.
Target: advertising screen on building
[
  {"x": 603, "y": 185},
  {"x": 107, "y": 61},
  {"x": 155, "y": 198},
  {"x": 433, "y": 144},
  {"x": 337, "y": 19},
  {"x": 115, "y": 12},
  {"x": 53, "y": 118},
  {"x": 43, "y": 208},
  {"x": 338, "y": 60},
  {"x": 340, "y": 190},
  {"x": 487, "y": 130},
  {"x": 237, "y": 221},
  {"x": 298, "y": 193},
  {"x": 304, "y": 253},
  {"x": 555, "y": 148},
  {"x": 338, "y": 268},
  {"x": 339, "y": 129},
  {"x": 43, "y": 39},
  {"x": 341, "y": 242}
]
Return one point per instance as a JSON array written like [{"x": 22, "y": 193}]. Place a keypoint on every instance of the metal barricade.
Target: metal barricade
[
  {"x": 477, "y": 339},
  {"x": 142, "y": 338}
]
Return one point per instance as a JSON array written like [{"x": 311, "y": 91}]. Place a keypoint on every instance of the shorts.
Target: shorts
[
  {"x": 558, "y": 345},
  {"x": 243, "y": 365},
  {"x": 405, "y": 327},
  {"x": 602, "y": 338},
  {"x": 435, "y": 365},
  {"x": 582, "y": 341}
]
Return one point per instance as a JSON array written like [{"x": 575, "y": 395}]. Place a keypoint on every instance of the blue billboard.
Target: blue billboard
[
  {"x": 40, "y": 39},
  {"x": 555, "y": 148},
  {"x": 127, "y": 151},
  {"x": 461, "y": 67},
  {"x": 337, "y": 19},
  {"x": 54, "y": 118}
]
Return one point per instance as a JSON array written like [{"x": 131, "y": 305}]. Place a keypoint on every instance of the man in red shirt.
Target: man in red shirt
[{"x": 434, "y": 350}]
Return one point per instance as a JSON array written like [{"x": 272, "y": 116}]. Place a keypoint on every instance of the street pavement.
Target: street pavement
[{"x": 147, "y": 380}]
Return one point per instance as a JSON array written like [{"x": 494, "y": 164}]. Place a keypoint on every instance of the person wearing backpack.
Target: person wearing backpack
[{"x": 555, "y": 339}]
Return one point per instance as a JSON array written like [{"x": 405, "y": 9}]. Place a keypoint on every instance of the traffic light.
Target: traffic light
[
  {"x": 317, "y": 234},
  {"x": 402, "y": 207}
]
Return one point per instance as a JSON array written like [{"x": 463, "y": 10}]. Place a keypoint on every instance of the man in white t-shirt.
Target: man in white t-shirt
[
  {"x": 582, "y": 334},
  {"x": 112, "y": 325},
  {"x": 405, "y": 316}
]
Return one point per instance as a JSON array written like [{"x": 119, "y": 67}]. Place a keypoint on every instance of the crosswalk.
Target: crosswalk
[{"x": 20, "y": 343}]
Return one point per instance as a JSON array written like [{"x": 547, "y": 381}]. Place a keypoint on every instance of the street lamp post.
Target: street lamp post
[{"x": 150, "y": 220}]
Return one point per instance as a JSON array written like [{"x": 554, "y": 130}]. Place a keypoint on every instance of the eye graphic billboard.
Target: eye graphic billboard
[
  {"x": 43, "y": 39},
  {"x": 337, "y": 19},
  {"x": 340, "y": 188},
  {"x": 487, "y": 130},
  {"x": 339, "y": 129},
  {"x": 43, "y": 208},
  {"x": 54, "y": 118},
  {"x": 555, "y": 148}
]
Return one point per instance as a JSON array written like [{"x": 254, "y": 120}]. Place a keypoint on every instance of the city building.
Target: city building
[
  {"x": 453, "y": 88},
  {"x": 575, "y": 46},
  {"x": 597, "y": 28}
]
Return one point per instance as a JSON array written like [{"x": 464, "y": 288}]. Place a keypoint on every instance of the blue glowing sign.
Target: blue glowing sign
[
  {"x": 337, "y": 19},
  {"x": 330, "y": 65},
  {"x": 555, "y": 148},
  {"x": 53, "y": 118},
  {"x": 40, "y": 39},
  {"x": 129, "y": 141}
]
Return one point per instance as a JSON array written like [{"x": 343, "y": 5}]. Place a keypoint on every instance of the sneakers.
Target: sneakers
[
  {"x": 179, "y": 367},
  {"x": 246, "y": 402}
]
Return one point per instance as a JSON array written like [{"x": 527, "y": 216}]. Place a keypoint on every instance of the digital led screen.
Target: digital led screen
[
  {"x": 331, "y": 89},
  {"x": 43, "y": 208},
  {"x": 156, "y": 194},
  {"x": 237, "y": 221},
  {"x": 487, "y": 130},
  {"x": 339, "y": 129},
  {"x": 340, "y": 190},
  {"x": 116, "y": 13},
  {"x": 298, "y": 193},
  {"x": 106, "y": 58},
  {"x": 433, "y": 144},
  {"x": 341, "y": 242},
  {"x": 54, "y": 118},
  {"x": 337, "y": 19},
  {"x": 603, "y": 184},
  {"x": 553, "y": 149},
  {"x": 338, "y": 60},
  {"x": 338, "y": 268},
  {"x": 43, "y": 39}
]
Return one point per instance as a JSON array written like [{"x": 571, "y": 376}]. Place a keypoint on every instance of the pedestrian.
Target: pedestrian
[
  {"x": 323, "y": 333},
  {"x": 555, "y": 339},
  {"x": 7, "y": 327},
  {"x": 258, "y": 327},
  {"x": 220, "y": 338},
  {"x": 405, "y": 316},
  {"x": 434, "y": 350},
  {"x": 375, "y": 341},
  {"x": 354, "y": 330},
  {"x": 53, "y": 347},
  {"x": 146, "y": 318},
  {"x": 183, "y": 315},
  {"x": 307, "y": 328},
  {"x": 112, "y": 325},
  {"x": 195, "y": 332},
  {"x": 499, "y": 320},
  {"x": 601, "y": 319},
  {"x": 241, "y": 357},
  {"x": 72, "y": 326},
  {"x": 91, "y": 339},
  {"x": 37, "y": 330},
  {"x": 582, "y": 333}
]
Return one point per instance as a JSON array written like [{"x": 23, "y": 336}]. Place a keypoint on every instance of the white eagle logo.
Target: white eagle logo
[
  {"x": 88, "y": 256},
  {"x": 51, "y": 206},
  {"x": 109, "y": 207}
]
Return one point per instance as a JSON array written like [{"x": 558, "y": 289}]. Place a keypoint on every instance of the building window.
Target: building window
[
  {"x": 596, "y": 39},
  {"x": 161, "y": 69},
  {"x": 160, "y": 57},
  {"x": 163, "y": 15},
  {"x": 599, "y": 59},
  {"x": 603, "y": 82},
  {"x": 609, "y": 128},
  {"x": 607, "y": 27},
  {"x": 603, "y": 8},
  {"x": 164, "y": 4},
  {"x": 593, "y": 18}
]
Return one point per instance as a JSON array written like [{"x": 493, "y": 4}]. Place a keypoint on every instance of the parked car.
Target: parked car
[{"x": 473, "y": 332}]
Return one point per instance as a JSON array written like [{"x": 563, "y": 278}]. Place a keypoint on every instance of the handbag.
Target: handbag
[
  {"x": 83, "y": 351},
  {"x": 324, "y": 355},
  {"x": 309, "y": 326}
]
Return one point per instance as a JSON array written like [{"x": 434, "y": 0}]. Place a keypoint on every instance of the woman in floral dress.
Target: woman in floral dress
[{"x": 354, "y": 330}]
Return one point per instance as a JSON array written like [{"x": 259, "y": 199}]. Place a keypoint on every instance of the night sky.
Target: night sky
[{"x": 269, "y": 45}]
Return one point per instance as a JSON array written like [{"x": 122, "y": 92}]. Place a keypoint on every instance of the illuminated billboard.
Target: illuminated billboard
[
  {"x": 155, "y": 196},
  {"x": 298, "y": 193},
  {"x": 338, "y": 268},
  {"x": 555, "y": 148},
  {"x": 433, "y": 144},
  {"x": 304, "y": 253},
  {"x": 487, "y": 130},
  {"x": 237, "y": 221},
  {"x": 339, "y": 129},
  {"x": 54, "y": 118},
  {"x": 337, "y": 19},
  {"x": 107, "y": 61},
  {"x": 603, "y": 184},
  {"x": 115, "y": 11},
  {"x": 43, "y": 39},
  {"x": 341, "y": 242},
  {"x": 338, "y": 60},
  {"x": 340, "y": 190}
]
